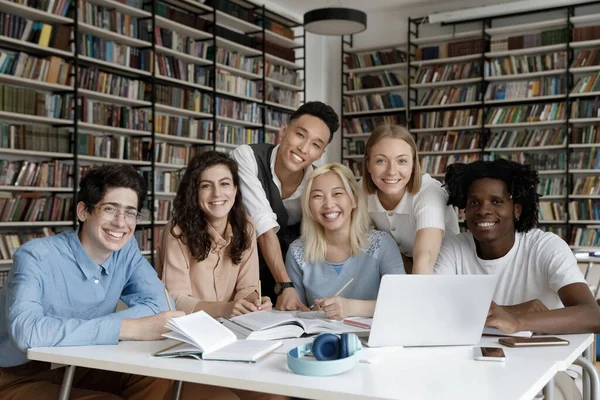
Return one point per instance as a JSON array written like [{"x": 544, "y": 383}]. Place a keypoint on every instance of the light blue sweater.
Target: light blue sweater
[{"x": 318, "y": 280}]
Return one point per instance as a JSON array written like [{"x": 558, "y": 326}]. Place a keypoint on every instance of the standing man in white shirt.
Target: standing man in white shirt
[{"x": 272, "y": 180}]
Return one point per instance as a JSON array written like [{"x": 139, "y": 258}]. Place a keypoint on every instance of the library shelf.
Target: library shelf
[
  {"x": 284, "y": 85},
  {"x": 584, "y": 222},
  {"x": 553, "y": 172},
  {"x": 585, "y": 171},
  {"x": 446, "y": 129},
  {"x": 34, "y": 84},
  {"x": 162, "y": 137},
  {"x": 5, "y": 265},
  {"x": 87, "y": 126},
  {"x": 448, "y": 37},
  {"x": 146, "y": 252},
  {"x": 19, "y": 44},
  {"x": 33, "y": 13},
  {"x": 162, "y": 22},
  {"x": 381, "y": 111},
  {"x": 272, "y": 128},
  {"x": 280, "y": 40},
  {"x": 233, "y": 22},
  {"x": 376, "y": 68},
  {"x": 545, "y": 197},
  {"x": 189, "y": 85},
  {"x": 48, "y": 189},
  {"x": 353, "y": 156},
  {"x": 281, "y": 61},
  {"x": 584, "y": 196},
  {"x": 526, "y": 99},
  {"x": 527, "y": 148},
  {"x": 582, "y": 19},
  {"x": 35, "y": 153},
  {"x": 383, "y": 89},
  {"x": 229, "y": 145},
  {"x": 583, "y": 121},
  {"x": 281, "y": 106},
  {"x": 454, "y": 151},
  {"x": 182, "y": 56},
  {"x": 114, "y": 66},
  {"x": 466, "y": 104},
  {"x": 92, "y": 94},
  {"x": 584, "y": 44},
  {"x": 34, "y": 224},
  {"x": 446, "y": 60},
  {"x": 584, "y": 70},
  {"x": 244, "y": 50},
  {"x": 456, "y": 82},
  {"x": 529, "y": 50},
  {"x": 238, "y": 122},
  {"x": 527, "y": 75},
  {"x": 114, "y": 36},
  {"x": 6, "y": 115},
  {"x": 520, "y": 28},
  {"x": 122, "y": 7},
  {"x": 526, "y": 124},
  {"x": 240, "y": 72},
  {"x": 168, "y": 166},
  {"x": 553, "y": 221},
  {"x": 356, "y": 135},
  {"x": 165, "y": 194},
  {"x": 107, "y": 160},
  {"x": 147, "y": 223},
  {"x": 182, "y": 112},
  {"x": 238, "y": 96},
  {"x": 583, "y": 145},
  {"x": 584, "y": 94}
]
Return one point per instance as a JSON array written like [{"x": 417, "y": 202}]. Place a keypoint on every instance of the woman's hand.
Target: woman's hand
[
  {"x": 335, "y": 307},
  {"x": 240, "y": 307}
]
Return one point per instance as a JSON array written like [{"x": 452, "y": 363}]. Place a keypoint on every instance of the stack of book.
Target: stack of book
[{"x": 375, "y": 58}]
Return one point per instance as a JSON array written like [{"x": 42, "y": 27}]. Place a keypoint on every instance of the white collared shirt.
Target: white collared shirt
[
  {"x": 254, "y": 196},
  {"x": 425, "y": 209}
]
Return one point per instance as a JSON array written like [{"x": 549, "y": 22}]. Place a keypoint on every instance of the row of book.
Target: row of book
[
  {"x": 585, "y": 159},
  {"x": 237, "y": 60},
  {"x": 527, "y": 138},
  {"x": 34, "y": 137},
  {"x": 453, "y": 49},
  {"x": 57, "y": 7},
  {"x": 436, "y": 165},
  {"x": 586, "y": 108},
  {"x": 450, "y": 95},
  {"x": 586, "y": 58},
  {"x": 583, "y": 33},
  {"x": 447, "y": 72},
  {"x": 545, "y": 86},
  {"x": 553, "y": 186},
  {"x": 39, "y": 174},
  {"x": 110, "y": 19},
  {"x": 33, "y": 207},
  {"x": 587, "y": 186},
  {"x": 27, "y": 101},
  {"x": 366, "y": 125},
  {"x": 539, "y": 160},
  {"x": 552, "y": 211},
  {"x": 356, "y": 166},
  {"x": 237, "y": 85},
  {"x": 284, "y": 97},
  {"x": 526, "y": 113},
  {"x": 450, "y": 119},
  {"x": 372, "y": 102},
  {"x": 585, "y": 237},
  {"x": 375, "y": 58},
  {"x": 187, "y": 99},
  {"x": 116, "y": 147},
  {"x": 276, "y": 118},
  {"x": 47, "y": 69},
  {"x": 453, "y": 140},
  {"x": 144, "y": 238},
  {"x": 282, "y": 74},
  {"x": 112, "y": 84},
  {"x": 11, "y": 241},
  {"x": 112, "y": 115},
  {"x": 175, "y": 68},
  {"x": 524, "y": 64},
  {"x": 584, "y": 210},
  {"x": 585, "y": 134},
  {"x": 42, "y": 34},
  {"x": 586, "y": 84},
  {"x": 183, "y": 127},
  {"x": 239, "y": 135},
  {"x": 3, "y": 278},
  {"x": 381, "y": 79},
  {"x": 353, "y": 147},
  {"x": 545, "y": 38},
  {"x": 116, "y": 53}
]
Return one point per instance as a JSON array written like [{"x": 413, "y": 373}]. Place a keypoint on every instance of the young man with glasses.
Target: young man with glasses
[{"x": 63, "y": 290}]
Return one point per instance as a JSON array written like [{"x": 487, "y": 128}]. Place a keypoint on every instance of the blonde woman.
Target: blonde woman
[
  {"x": 336, "y": 246},
  {"x": 410, "y": 206}
]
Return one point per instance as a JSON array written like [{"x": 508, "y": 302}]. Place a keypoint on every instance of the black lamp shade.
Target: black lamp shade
[{"x": 335, "y": 21}]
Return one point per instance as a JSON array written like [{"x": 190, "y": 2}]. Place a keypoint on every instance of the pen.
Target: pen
[
  {"x": 168, "y": 301},
  {"x": 338, "y": 292}
]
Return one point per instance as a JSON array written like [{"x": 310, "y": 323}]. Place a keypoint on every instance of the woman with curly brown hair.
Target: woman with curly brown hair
[{"x": 207, "y": 256}]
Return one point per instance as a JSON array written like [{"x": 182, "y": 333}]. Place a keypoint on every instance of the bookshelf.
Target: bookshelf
[
  {"x": 148, "y": 84},
  {"x": 522, "y": 87}
]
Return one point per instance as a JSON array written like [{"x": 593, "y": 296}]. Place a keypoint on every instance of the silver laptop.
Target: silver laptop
[{"x": 431, "y": 310}]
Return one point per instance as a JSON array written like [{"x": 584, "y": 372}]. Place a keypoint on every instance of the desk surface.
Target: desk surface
[{"x": 414, "y": 373}]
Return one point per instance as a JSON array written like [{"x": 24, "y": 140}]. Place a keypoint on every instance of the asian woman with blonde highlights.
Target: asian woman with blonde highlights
[
  {"x": 337, "y": 247},
  {"x": 402, "y": 201}
]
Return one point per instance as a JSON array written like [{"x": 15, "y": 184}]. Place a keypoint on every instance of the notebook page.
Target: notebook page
[
  {"x": 202, "y": 330},
  {"x": 497, "y": 332},
  {"x": 243, "y": 350},
  {"x": 264, "y": 320}
]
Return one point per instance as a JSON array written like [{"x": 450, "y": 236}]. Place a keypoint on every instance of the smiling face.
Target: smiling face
[
  {"x": 303, "y": 142},
  {"x": 391, "y": 166},
  {"x": 490, "y": 212},
  {"x": 107, "y": 228},
  {"x": 330, "y": 204},
  {"x": 216, "y": 193}
]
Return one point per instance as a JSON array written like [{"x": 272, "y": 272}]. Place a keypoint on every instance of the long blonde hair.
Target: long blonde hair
[
  {"x": 395, "y": 132},
  {"x": 313, "y": 234}
]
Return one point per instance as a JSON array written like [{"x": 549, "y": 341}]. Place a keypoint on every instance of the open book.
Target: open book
[
  {"x": 205, "y": 338},
  {"x": 263, "y": 325}
]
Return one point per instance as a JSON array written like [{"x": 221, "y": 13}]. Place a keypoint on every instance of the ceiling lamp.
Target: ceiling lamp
[{"x": 335, "y": 21}]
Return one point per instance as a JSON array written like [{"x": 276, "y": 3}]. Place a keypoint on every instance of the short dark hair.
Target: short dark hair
[
  {"x": 521, "y": 182},
  {"x": 100, "y": 178},
  {"x": 322, "y": 111},
  {"x": 190, "y": 218}
]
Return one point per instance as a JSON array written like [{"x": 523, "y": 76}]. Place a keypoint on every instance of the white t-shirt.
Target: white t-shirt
[
  {"x": 538, "y": 265},
  {"x": 425, "y": 209},
  {"x": 254, "y": 196}
]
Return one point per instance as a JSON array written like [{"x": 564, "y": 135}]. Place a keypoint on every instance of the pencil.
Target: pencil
[
  {"x": 168, "y": 301},
  {"x": 259, "y": 293},
  {"x": 337, "y": 294}
]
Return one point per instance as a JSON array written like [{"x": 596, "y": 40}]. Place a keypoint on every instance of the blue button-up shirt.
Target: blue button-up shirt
[{"x": 56, "y": 295}]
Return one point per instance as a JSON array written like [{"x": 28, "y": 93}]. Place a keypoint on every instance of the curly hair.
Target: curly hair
[
  {"x": 192, "y": 221},
  {"x": 521, "y": 181}
]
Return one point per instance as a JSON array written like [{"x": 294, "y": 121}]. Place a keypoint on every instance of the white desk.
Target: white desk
[{"x": 416, "y": 373}]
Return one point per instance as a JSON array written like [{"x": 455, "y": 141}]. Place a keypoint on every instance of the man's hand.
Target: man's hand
[
  {"x": 503, "y": 320},
  {"x": 266, "y": 304},
  {"x": 147, "y": 328},
  {"x": 334, "y": 307},
  {"x": 288, "y": 300}
]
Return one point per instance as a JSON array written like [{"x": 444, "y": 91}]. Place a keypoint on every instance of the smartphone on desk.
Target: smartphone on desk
[
  {"x": 533, "y": 341},
  {"x": 488, "y": 354}
]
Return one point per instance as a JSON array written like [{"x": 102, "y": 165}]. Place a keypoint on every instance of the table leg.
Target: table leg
[
  {"x": 593, "y": 392},
  {"x": 65, "y": 389},
  {"x": 178, "y": 388},
  {"x": 549, "y": 390}
]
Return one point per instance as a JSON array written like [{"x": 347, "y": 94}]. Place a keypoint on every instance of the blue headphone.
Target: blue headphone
[{"x": 334, "y": 355}]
